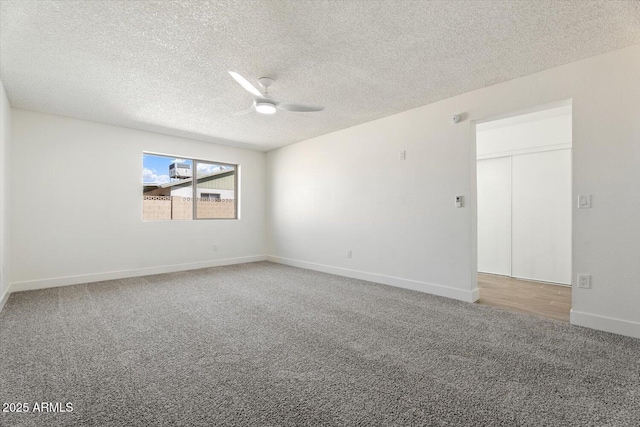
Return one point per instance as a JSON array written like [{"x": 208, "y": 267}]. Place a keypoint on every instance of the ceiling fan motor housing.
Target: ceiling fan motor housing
[{"x": 265, "y": 82}]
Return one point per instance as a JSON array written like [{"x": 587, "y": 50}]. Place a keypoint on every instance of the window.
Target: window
[
  {"x": 209, "y": 196},
  {"x": 169, "y": 193}
]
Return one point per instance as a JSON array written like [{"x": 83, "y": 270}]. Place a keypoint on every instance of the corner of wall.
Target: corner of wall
[
  {"x": 398, "y": 282},
  {"x": 5, "y": 134}
]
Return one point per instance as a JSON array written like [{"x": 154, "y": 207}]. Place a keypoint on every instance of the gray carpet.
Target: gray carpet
[{"x": 269, "y": 345}]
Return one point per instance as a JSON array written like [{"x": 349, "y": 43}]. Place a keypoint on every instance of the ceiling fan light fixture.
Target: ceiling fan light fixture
[
  {"x": 265, "y": 107},
  {"x": 263, "y": 103}
]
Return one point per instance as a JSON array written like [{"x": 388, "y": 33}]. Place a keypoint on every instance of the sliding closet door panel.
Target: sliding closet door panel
[
  {"x": 541, "y": 241},
  {"x": 494, "y": 216}
]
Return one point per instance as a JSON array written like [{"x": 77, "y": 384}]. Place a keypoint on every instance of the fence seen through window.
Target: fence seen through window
[{"x": 169, "y": 191}]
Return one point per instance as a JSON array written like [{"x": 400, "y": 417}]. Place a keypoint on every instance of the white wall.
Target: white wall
[
  {"x": 349, "y": 190},
  {"x": 76, "y": 211},
  {"x": 5, "y": 132}
]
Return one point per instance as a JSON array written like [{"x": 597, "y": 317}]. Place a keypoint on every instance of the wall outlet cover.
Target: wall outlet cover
[{"x": 584, "y": 281}]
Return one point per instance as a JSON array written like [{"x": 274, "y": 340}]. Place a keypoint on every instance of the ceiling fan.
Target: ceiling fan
[{"x": 263, "y": 103}]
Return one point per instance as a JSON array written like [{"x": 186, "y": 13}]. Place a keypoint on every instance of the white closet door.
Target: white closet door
[
  {"x": 541, "y": 240},
  {"x": 494, "y": 216}
]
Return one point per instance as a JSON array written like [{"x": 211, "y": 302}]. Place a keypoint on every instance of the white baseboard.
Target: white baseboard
[
  {"x": 122, "y": 274},
  {"x": 429, "y": 288},
  {"x": 607, "y": 324},
  {"x": 4, "y": 298}
]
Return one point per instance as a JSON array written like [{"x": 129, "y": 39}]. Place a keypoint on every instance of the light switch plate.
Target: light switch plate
[{"x": 584, "y": 201}]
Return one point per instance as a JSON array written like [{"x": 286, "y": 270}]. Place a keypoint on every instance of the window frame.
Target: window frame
[{"x": 194, "y": 185}]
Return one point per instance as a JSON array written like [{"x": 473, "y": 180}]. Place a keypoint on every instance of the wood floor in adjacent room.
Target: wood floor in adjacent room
[{"x": 524, "y": 296}]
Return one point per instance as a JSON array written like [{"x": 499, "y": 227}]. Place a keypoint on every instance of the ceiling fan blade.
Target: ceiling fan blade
[
  {"x": 245, "y": 84},
  {"x": 243, "y": 112},
  {"x": 301, "y": 108}
]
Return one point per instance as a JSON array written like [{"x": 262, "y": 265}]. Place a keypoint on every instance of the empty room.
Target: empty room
[{"x": 316, "y": 212}]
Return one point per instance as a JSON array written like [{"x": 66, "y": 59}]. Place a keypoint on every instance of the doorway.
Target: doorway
[{"x": 524, "y": 211}]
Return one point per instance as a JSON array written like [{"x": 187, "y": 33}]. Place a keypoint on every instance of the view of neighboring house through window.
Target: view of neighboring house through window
[{"x": 168, "y": 190}]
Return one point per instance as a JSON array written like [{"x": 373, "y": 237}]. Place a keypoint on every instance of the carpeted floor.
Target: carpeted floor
[{"x": 263, "y": 344}]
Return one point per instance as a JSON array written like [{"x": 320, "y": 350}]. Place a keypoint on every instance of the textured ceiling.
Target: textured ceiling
[{"x": 162, "y": 65}]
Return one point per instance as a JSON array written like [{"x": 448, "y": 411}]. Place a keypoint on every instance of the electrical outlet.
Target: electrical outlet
[
  {"x": 349, "y": 253},
  {"x": 584, "y": 201},
  {"x": 403, "y": 155},
  {"x": 584, "y": 281}
]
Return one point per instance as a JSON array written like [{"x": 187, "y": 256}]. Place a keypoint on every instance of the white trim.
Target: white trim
[
  {"x": 566, "y": 285},
  {"x": 524, "y": 111},
  {"x": 122, "y": 274},
  {"x": 607, "y": 324},
  {"x": 4, "y": 299},
  {"x": 429, "y": 288},
  {"x": 528, "y": 150}
]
